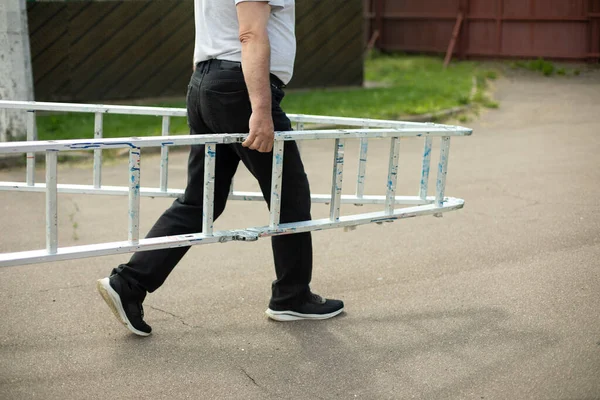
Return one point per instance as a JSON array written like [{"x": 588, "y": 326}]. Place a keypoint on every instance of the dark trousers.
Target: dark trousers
[{"x": 218, "y": 102}]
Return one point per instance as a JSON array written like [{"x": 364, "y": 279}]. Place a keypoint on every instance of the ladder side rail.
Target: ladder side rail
[
  {"x": 358, "y": 219},
  {"x": 249, "y": 234},
  {"x": 93, "y": 108},
  {"x": 111, "y": 248},
  {"x": 182, "y": 112},
  {"x": 372, "y": 133},
  {"x": 219, "y": 138},
  {"x": 173, "y": 193},
  {"x": 359, "y": 122}
]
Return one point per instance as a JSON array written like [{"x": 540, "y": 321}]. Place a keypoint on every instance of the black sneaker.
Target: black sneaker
[
  {"x": 126, "y": 306},
  {"x": 315, "y": 307}
]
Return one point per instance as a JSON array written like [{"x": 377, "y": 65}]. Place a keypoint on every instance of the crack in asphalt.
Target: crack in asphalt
[
  {"x": 61, "y": 288},
  {"x": 171, "y": 314},
  {"x": 249, "y": 377}
]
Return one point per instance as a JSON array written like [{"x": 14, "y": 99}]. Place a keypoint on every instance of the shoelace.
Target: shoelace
[{"x": 316, "y": 298}]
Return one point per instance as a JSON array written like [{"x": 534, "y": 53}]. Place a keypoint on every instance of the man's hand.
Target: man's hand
[
  {"x": 261, "y": 132},
  {"x": 253, "y": 17}
]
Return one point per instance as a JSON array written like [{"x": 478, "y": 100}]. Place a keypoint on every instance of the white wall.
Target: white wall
[{"x": 16, "y": 82}]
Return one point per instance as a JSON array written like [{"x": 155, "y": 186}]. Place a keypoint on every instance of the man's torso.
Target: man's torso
[{"x": 217, "y": 34}]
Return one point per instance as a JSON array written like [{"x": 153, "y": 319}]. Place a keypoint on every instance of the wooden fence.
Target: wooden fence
[
  {"x": 86, "y": 51},
  {"x": 555, "y": 29}
]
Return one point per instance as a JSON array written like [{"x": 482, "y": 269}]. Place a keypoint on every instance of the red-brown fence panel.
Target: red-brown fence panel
[{"x": 556, "y": 29}]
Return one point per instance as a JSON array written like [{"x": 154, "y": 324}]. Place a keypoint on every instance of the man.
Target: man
[{"x": 244, "y": 55}]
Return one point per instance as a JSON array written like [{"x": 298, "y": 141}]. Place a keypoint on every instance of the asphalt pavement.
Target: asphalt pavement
[{"x": 499, "y": 300}]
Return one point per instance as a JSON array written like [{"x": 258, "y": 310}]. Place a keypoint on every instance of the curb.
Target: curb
[{"x": 437, "y": 115}]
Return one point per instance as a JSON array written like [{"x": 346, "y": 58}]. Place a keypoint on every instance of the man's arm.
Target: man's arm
[{"x": 253, "y": 17}]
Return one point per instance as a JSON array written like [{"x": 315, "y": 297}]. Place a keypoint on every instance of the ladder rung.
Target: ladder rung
[
  {"x": 362, "y": 167},
  {"x": 210, "y": 155},
  {"x": 31, "y": 135},
  {"x": 392, "y": 175},
  {"x": 425, "y": 168},
  {"x": 98, "y": 133},
  {"x": 164, "y": 154},
  {"x": 337, "y": 179},
  {"x": 442, "y": 171},
  {"x": 276, "y": 178},
  {"x": 51, "y": 202},
  {"x": 134, "y": 195}
]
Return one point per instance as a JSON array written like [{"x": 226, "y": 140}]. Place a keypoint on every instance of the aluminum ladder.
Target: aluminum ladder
[{"x": 412, "y": 206}]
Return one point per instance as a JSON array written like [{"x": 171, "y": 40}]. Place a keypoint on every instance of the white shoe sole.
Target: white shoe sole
[
  {"x": 285, "y": 316},
  {"x": 114, "y": 303}
]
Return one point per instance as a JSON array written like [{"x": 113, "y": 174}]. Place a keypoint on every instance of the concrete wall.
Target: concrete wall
[{"x": 15, "y": 66}]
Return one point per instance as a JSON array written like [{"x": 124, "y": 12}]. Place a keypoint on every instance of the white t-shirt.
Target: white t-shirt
[{"x": 217, "y": 34}]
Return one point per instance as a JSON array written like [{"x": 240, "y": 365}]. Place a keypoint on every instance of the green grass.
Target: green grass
[
  {"x": 415, "y": 85},
  {"x": 80, "y": 125},
  {"x": 545, "y": 67},
  {"x": 483, "y": 99},
  {"x": 412, "y": 85}
]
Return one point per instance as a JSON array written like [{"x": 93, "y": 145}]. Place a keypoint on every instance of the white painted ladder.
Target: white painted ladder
[{"x": 369, "y": 128}]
